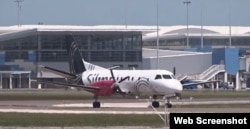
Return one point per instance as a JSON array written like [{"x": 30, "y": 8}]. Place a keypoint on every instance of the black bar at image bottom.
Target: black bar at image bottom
[{"x": 210, "y": 120}]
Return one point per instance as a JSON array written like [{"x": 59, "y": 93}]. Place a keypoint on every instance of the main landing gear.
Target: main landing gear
[
  {"x": 96, "y": 103},
  {"x": 156, "y": 103}
]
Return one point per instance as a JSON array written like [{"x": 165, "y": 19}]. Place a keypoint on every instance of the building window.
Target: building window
[
  {"x": 117, "y": 56},
  {"x": 53, "y": 42},
  {"x": 13, "y": 55},
  {"x": 133, "y": 56},
  {"x": 54, "y": 56}
]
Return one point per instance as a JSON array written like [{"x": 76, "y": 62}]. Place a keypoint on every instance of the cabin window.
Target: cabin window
[
  {"x": 165, "y": 76},
  {"x": 158, "y": 76}
]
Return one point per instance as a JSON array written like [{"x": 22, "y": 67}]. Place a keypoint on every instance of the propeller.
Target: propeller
[{"x": 115, "y": 85}]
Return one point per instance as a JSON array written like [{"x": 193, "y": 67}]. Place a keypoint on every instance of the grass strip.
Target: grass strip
[
  {"x": 213, "y": 106},
  {"x": 64, "y": 120},
  {"x": 216, "y": 94},
  {"x": 83, "y": 95}
]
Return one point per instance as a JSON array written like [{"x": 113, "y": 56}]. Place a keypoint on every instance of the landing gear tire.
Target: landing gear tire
[
  {"x": 155, "y": 104},
  {"x": 169, "y": 105},
  {"x": 96, "y": 104}
]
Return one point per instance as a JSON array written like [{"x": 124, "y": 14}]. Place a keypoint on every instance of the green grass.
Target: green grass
[
  {"x": 63, "y": 120},
  {"x": 216, "y": 94},
  {"x": 213, "y": 106}
]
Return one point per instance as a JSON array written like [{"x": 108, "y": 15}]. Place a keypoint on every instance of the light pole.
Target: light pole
[
  {"x": 157, "y": 33},
  {"x": 19, "y": 10},
  {"x": 126, "y": 12},
  {"x": 202, "y": 44},
  {"x": 230, "y": 34},
  {"x": 187, "y": 2}
]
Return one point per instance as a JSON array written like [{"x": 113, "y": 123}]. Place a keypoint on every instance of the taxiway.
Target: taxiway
[{"x": 116, "y": 106}]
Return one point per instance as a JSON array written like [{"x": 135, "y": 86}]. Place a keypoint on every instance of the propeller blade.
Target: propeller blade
[
  {"x": 123, "y": 79},
  {"x": 174, "y": 71},
  {"x": 115, "y": 86},
  {"x": 112, "y": 75},
  {"x": 120, "y": 91}
]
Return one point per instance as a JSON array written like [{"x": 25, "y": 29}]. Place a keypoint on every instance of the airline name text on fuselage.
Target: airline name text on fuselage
[{"x": 96, "y": 77}]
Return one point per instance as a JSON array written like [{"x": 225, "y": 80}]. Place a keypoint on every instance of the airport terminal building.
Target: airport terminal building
[
  {"x": 175, "y": 37},
  {"x": 49, "y": 44},
  {"x": 23, "y": 49}
]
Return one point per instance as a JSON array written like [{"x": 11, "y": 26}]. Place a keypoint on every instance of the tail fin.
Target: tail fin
[{"x": 76, "y": 65}]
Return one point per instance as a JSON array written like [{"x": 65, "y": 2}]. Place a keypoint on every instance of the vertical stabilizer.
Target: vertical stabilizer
[{"x": 76, "y": 65}]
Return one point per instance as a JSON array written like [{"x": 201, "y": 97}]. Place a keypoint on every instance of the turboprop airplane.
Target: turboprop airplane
[{"x": 107, "y": 82}]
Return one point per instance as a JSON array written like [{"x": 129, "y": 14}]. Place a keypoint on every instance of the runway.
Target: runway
[
  {"x": 123, "y": 106},
  {"x": 147, "y": 104},
  {"x": 54, "y": 111}
]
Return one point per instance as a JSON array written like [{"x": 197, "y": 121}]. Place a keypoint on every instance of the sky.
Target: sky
[{"x": 130, "y": 12}]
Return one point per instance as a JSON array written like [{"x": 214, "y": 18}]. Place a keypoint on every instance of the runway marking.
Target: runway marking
[
  {"x": 75, "y": 112},
  {"x": 147, "y": 104},
  {"x": 107, "y": 105}
]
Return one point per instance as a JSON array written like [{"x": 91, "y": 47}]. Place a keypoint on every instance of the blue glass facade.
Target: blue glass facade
[
  {"x": 218, "y": 56},
  {"x": 227, "y": 56},
  {"x": 232, "y": 60},
  {"x": 32, "y": 56}
]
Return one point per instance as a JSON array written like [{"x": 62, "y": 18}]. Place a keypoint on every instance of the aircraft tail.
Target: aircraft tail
[{"x": 76, "y": 65}]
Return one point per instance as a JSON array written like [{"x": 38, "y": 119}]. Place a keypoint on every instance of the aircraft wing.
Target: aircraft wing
[
  {"x": 87, "y": 88},
  {"x": 58, "y": 72},
  {"x": 195, "y": 82}
]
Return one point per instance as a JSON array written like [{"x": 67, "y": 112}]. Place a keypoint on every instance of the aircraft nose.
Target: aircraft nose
[{"x": 178, "y": 86}]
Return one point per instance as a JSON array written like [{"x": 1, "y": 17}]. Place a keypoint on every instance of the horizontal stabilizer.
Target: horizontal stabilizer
[{"x": 58, "y": 72}]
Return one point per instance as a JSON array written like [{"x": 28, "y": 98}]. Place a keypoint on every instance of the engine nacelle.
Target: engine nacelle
[{"x": 105, "y": 87}]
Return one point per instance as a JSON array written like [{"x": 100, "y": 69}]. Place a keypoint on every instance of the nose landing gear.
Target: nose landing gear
[
  {"x": 169, "y": 104},
  {"x": 156, "y": 103}
]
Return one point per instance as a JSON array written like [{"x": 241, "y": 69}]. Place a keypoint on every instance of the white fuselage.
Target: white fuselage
[{"x": 138, "y": 82}]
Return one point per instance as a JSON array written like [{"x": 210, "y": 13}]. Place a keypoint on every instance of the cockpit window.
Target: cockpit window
[
  {"x": 165, "y": 76},
  {"x": 173, "y": 76},
  {"x": 158, "y": 76}
]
